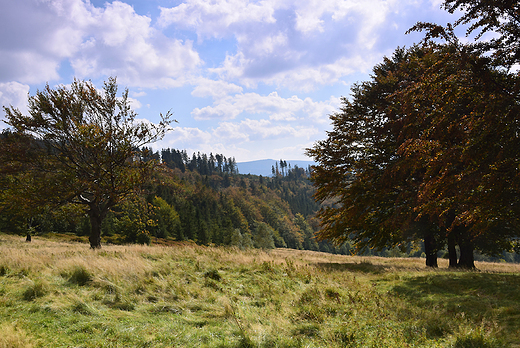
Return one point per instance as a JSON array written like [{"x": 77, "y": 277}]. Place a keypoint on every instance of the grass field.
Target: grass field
[{"x": 62, "y": 294}]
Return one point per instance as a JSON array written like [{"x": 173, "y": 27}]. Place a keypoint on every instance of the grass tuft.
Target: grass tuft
[
  {"x": 245, "y": 342},
  {"x": 213, "y": 274},
  {"x": 309, "y": 330},
  {"x": 474, "y": 342},
  {"x": 81, "y": 307},
  {"x": 80, "y": 276},
  {"x": 35, "y": 290}
]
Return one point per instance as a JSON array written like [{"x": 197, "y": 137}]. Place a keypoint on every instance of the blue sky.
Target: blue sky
[{"x": 249, "y": 79}]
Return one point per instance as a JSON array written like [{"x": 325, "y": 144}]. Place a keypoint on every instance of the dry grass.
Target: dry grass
[
  {"x": 127, "y": 261},
  {"x": 12, "y": 337}
]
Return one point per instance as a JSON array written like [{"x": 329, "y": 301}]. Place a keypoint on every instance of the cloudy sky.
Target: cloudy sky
[{"x": 249, "y": 79}]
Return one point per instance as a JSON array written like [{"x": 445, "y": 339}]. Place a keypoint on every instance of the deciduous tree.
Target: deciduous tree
[
  {"x": 85, "y": 146},
  {"x": 416, "y": 154}
]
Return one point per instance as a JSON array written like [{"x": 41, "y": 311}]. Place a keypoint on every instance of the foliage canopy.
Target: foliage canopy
[{"x": 428, "y": 148}]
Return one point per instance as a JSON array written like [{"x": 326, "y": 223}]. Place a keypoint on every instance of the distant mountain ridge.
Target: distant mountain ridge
[{"x": 264, "y": 167}]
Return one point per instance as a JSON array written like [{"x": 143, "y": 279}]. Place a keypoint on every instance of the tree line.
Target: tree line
[{"x": 202, "y": 163}]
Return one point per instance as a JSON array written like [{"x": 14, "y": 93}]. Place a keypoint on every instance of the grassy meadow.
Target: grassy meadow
[{"x": 62, "y": 294}]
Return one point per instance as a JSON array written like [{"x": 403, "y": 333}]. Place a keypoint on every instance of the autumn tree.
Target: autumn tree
[
  {"x": 417, "y": 152},
  {"x": 354, "y": 161},
  {"x": 85, "y": 147},
  {"x": 492, "y": 121}
]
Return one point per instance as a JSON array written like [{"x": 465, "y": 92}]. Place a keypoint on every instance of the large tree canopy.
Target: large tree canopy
[
  {"x": 82, "y": 146},
  {"x": 428, "y": 148}
]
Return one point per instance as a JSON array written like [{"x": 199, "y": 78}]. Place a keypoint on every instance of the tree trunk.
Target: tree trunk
[
  {"x": 430, "y": 251},
  {"x": 452, "y": 252},
  {"x": 466, "y": 259},
  {"x": 28, "y": 238},
  {"x": 96, "y": 219}
]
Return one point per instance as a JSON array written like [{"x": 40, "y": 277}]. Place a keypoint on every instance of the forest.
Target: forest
[{"x": 80, "y": 165}]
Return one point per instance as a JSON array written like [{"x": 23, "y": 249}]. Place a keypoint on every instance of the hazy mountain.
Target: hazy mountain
[{"x": 264, "y": 167}]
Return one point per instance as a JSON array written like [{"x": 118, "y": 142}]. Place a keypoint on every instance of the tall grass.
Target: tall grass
[{"x": 64, "y": 294}]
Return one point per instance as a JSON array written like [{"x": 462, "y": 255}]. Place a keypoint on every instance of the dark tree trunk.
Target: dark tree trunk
[
  {"x": 28, "y": 238},
  {"x": 430, "y": 251},
  {"x": 96, "y": 218},
  {"x": 466, "y": 259},
  {"x": 452, "y": 252}
]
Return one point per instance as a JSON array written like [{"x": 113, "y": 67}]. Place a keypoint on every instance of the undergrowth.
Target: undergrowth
[{"x": 64, "y": 294}]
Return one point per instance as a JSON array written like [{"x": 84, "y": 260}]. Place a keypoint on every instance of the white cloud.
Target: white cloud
[
  {"x": 123, "y": 43},
  {"x": 248, "y": 130},
  {"x": 13, "y": 94},
  {"x": 215, "y": 89},
  {"x": 98, "y": 42},
  {"x": 295, "y": 44},
  {"x": 300, "y": 45},
  {"x": 277, "y": 41},
  {"x": 246, "y": 139},
  {"x": 138, "y": 94},
  {"x": 178, "y": 137},
  {"x": 217, "y": 18},
  {"x": 38, "y": 35},
  {"x": 134, "y": 103},
  {"x": 273, "y": 105}
]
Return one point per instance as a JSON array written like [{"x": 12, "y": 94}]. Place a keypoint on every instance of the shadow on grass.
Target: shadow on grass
[
  {"x": 500, "y": 288},
  {"x": 476, "y": 296}
]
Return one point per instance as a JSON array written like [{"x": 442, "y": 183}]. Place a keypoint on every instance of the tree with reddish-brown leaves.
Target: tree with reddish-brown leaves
[
  {"x": 358, "y": 164},
  {"x": 429, "y": 148}
]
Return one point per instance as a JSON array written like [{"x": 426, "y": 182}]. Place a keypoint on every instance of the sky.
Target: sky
[{"x": 247, "y": 79}]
